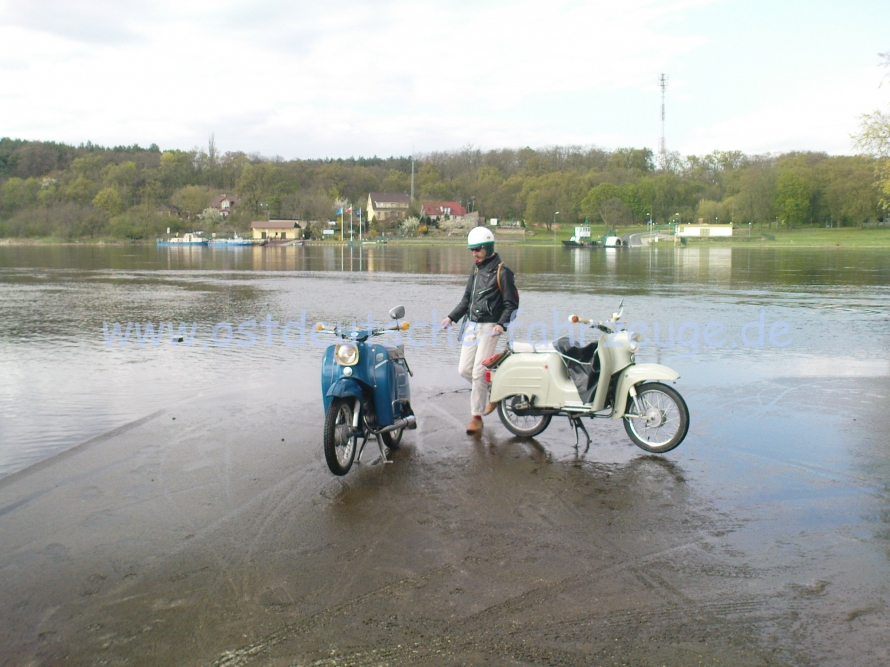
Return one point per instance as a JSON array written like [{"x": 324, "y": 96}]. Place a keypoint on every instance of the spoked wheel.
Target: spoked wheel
[
  {"x": 664, "y": 421},
  {"x": 339, "y": 440},
  {"x": 521, "y": 424}
]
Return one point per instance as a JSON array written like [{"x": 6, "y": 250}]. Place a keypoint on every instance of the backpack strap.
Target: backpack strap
[{"x": 498, "y": 276}]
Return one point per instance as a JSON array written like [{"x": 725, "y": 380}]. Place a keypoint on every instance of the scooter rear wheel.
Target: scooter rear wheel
[
  {"x": 339, "y": 440},
  {"x": 392, "y": 438},
  {"x": 666, "y": 419},
  {"x": 519, "y": 424}
]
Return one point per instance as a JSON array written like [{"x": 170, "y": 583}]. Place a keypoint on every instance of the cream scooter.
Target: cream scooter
[{"x": 531, "y": 383}]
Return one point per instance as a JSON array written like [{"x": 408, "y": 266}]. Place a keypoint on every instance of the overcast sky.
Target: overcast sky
[{"x": 341, "y": 78}]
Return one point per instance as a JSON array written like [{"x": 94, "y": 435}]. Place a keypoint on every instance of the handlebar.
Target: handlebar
[
  {"x": 335, "y": 330},
  {"x": 574, "y": 319}
]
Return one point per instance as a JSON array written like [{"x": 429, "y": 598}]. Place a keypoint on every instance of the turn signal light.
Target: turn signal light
[
  {"x": 573, "y": 319},
  {"x": 319, "y": 326},
  {"x": 404, "y": 326}
]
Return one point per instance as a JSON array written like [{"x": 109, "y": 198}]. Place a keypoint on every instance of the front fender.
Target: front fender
[
  {"x": 633, "y": 375},
  {"x": 340, "y": 389}
]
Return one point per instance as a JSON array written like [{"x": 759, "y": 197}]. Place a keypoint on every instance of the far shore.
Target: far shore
[{"x": 806, "y": 237}]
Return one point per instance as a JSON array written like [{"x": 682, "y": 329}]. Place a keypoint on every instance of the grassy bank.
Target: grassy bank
[{"x": 808, "y": 237}]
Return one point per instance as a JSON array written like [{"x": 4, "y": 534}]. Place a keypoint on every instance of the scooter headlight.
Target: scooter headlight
[
  {"x": 634, "y": 342},
  {"x": 346, "y": 355}
]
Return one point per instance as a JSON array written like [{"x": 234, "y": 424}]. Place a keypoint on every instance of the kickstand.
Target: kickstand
[
  {"x": 361, "y": 449},
  {"x": 382, "y": 449},
  {"x": 578, "y": 425}
]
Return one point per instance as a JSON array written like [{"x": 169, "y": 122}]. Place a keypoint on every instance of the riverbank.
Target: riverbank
[{"x": 805, "y": 237}]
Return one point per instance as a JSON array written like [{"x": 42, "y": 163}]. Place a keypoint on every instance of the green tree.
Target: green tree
[
  {"x": 754, "y": 193},
  {"x": 793, "y": 192},
  {"x": 430, "y": 183},
  {"x": 261, "y": 185},
  {"x": 709, "y": 211},
  {"x": 552, "y": 192},
  {"x": 395, "y": 181},
  {"x": 874, "y": 139},
  {"x": 124, "y": 178},
  {"x": 849, "y": 195},
  {"x": 89, "y": 166},
  {"x": 81, "y": 190},
  {"x": 191, "y": 200},
  {"x": 139, "y": 222},
  {"x": 17, "y": 193},
  {"x": 640, "y": 159},
  {"x": 177, "y": 169},
  {"x": 109, "y": 200}
]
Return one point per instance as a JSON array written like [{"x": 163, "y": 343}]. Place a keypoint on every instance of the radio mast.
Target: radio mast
[{"x": 662, "y": 150}]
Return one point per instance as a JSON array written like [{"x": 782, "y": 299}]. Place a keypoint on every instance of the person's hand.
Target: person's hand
[
  {"x": 497, "y": 330},
  {"x": 446, "y": 323}
]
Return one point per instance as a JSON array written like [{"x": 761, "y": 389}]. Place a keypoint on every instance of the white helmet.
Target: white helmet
[{"x": 479, "y": 236}]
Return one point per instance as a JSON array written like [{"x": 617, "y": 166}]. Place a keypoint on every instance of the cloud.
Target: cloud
[
  {"x": 790, "y": 115},
  {"x": 89, "y": 21},
  {"x": 309, "y": 79}
]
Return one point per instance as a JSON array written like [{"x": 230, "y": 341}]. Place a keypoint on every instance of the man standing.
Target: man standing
[{"x": 490, "y": 299}]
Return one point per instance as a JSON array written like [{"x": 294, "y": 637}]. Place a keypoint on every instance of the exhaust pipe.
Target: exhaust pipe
[{"x": 407, "y": 423}]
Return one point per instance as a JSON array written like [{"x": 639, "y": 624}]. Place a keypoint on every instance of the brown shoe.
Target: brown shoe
[
  {"x": 475, "y": 425},
  {"x": 491, "y": 407}
]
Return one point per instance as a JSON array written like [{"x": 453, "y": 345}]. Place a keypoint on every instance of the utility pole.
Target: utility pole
[
  {"x": 412, "y": 175},
  {"x": 662, "y": 149}
]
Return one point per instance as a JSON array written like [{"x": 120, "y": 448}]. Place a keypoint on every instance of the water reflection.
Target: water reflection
[
  {"x": 661, "y": 266},
  {"x": 60, "y": 382}
]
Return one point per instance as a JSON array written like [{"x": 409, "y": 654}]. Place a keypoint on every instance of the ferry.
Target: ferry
[
  {"x": 581, "y": 239},
  {"x": 190, "y": 238},
  {"x": 237, "y": 241}
]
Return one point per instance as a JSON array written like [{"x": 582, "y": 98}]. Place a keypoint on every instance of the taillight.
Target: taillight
[{"x": 487, "y": 375}]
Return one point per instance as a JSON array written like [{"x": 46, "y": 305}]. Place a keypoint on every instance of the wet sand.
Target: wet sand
[{"x": 212, "y": 533}]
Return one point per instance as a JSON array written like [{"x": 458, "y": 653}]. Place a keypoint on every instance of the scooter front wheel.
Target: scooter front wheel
[
  {"x": 521, "y": 424},
  {"x": 664, "y": 421},
  {"x": 339, "y": 440}
]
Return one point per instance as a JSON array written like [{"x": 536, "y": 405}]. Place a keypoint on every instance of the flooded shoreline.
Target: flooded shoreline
[{"x": 172, "y": 501}]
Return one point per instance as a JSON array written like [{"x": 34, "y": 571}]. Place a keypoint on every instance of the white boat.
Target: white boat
[
  {"x": 189, "y": 238},
  {"x": 237, "y": 241}
]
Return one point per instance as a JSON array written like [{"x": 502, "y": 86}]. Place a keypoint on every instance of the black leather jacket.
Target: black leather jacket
[{"x": 483, "y": 301}]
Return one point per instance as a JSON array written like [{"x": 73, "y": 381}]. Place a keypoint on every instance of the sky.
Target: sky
[{"x": 359, "y": 78}]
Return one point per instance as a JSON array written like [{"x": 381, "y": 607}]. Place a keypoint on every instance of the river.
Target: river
[{"x": 164, "y": 493}]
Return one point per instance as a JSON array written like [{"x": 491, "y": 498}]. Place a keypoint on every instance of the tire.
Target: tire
[
  {"x": 392, "y": 438},
  {"x": 339, "y": 441},
  {"x": 667, "y": 418},
  {"x": 522, "y": 425}
]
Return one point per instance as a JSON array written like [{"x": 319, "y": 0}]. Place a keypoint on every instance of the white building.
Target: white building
[{"x": 704, "y": 230}]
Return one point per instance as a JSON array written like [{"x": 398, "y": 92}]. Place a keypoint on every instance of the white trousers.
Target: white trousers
[{"x": 478, "y": 344}]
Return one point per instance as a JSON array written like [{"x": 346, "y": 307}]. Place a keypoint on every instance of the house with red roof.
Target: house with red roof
[
  {"x": 225, "y": 203},
  {"x": 436, "y": 210}
]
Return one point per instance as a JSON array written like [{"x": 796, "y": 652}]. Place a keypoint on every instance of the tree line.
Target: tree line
[{"x": 50, "y": 189}]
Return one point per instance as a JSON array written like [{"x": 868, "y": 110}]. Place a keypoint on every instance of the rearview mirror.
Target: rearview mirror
[{"x": 397, "y": 313}]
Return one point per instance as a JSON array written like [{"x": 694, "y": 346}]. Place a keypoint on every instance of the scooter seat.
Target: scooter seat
[{"x": 520, "y": 346}]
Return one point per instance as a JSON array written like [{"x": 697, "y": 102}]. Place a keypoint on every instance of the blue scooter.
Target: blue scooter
[{"x": 366, "y": 392}]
